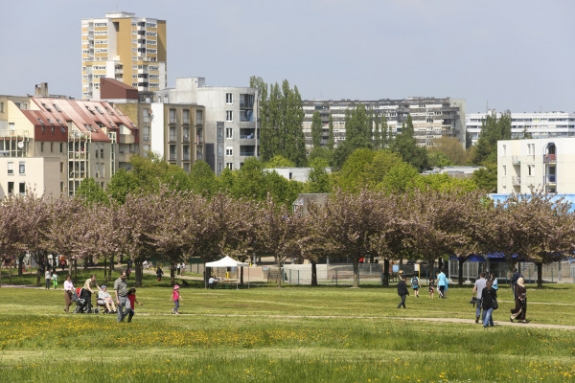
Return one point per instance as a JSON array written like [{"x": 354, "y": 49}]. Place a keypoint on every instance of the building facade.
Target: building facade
[
  {"x": 230, "y": 121},
  {"x": 126, "y": 48},
  {"x": 538, "y": 125},
  {"x": 174, "y": 131},
  {"x": 544, "y": 164},
  {"x": 48, "y": 146},
  {"x": 432, "y": 117}
]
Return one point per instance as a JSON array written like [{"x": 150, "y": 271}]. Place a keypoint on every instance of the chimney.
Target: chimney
[{"x": 41, "y": 90}]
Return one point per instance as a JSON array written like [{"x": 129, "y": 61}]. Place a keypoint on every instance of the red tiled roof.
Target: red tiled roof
[{"x": 87, "y": 116}]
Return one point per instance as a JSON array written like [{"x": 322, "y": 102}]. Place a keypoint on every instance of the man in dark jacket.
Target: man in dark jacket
[{"x": 402, "y": 291}]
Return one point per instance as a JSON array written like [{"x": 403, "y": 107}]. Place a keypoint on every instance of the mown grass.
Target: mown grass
[{"x": 286, "y": 335}]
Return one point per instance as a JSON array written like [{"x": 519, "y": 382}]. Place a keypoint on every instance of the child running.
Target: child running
[
  {"x": 431, "y": 290},
  {"x": 132, "y": 298},
  {"x": 176, "y": 297}
]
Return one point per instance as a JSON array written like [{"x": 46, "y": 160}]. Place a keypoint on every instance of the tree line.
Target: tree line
[{"x": 172, "y": 226}]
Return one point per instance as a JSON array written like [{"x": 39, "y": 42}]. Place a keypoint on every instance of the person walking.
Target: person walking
[
  {"x": 68, "y": 291},
  {"x": 516, "y": 275},
  {"x": 121, "y": 293},
  {"x": 431, "y": 289},
  {"x": 441, "y": 282},
  {"x": 183, "y": 267},
  {"x": 176, "y": 297},
  {"x": 520, "y": 310},
  {"x": 476, "y": 293},
  {"x": 48, "y": 277},
  {"x": 178, "y": 266},
  {"x": 488, "y": 303},
  {"x": 159, "y": 273},
  {"x": 415, "y": 285},
  {"x": 87, "y": 291},
  {"x": 402, "y": 291}
]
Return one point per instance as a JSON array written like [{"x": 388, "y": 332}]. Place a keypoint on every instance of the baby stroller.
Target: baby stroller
[{"x": 81, "y": 304}]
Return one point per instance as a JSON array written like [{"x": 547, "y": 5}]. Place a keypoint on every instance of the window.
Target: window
[
  {"x": 220, "y": 133},
  {"x": 41, "y": 146},
  {"x": 531, "y": 170},
  {"x": 229, "y": 98},
  {"x": 22, "y": 167},
  {"x": 1, "y": 107},
  {"x": 61, "y": 167},
  {"x": 229, "y": 115},
  {"x": 10, "y": 187},
  {"x": 22, "y": 188},
  {"x": 186, "y": 116},
  {"x": 229, "y": 151},
  {"x": 10, "y": 168},
  {"x": 172, "y": 116},
  {"x": 229, "y": 133},
  {"x": 230, "y": 165},
  {"x": 61, "y": 147}
]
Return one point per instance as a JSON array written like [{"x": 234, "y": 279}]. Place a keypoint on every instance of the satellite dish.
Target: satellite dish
[{"x": 20, "y": 145}]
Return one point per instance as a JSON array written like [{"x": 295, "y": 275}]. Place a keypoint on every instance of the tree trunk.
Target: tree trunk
[
  {"x": 280, "y": 274},
  {"x": 461, "y": 260},
  {"x": 139, "y": 272},
  {"x": 106, "y": 269},
  {"x": 20, "y": 263},
  {"x": 313, "y": 273},
  {"x": 539, "y": 274},
  {"x": 172, "y": 274},
  {"x": 242, "y": 276},
  {"x": 385, "y": 280},
  {"x": 355, "y": 272}
]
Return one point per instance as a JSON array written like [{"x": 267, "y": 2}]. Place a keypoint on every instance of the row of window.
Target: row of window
[{"x": 21, "y": 168}]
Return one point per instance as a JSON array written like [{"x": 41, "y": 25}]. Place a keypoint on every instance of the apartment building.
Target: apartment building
[
  {"x": 174, "y": 131},
  {"x": 230, "y": 121},
  {"x": 124, "y": 47},
  {"x": 544, "y": 164},
  {"x": 49, "y": 145},
  {"x": 432, "y": 117},
  {"x": 539, "y": 125}
]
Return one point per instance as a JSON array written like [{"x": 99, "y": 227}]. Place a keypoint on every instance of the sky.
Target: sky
[{"x": 504, "y": 55}]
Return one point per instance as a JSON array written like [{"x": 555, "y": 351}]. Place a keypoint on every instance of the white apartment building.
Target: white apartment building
[
  {"x": 432, "y": 117},
  {"x": 539, "y": 125},
  {"x": 126, "y": 48},
  {"x": 545, "y": 164},
  {"x": 230, "y": 124}
]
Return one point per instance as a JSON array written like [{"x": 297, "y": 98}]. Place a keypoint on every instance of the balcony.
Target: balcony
[
  {"x": 550, "y": 159},
  {"x": 516, "y": 180},
  {"x": 550, "y": 179},
  {"x": 127, "y": 139},
  {"x": 124, "y": 156},
  {"x": 515, "y": 160}
]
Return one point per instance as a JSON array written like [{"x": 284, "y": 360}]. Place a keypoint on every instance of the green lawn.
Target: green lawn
[{"x": 286, "y": 335}]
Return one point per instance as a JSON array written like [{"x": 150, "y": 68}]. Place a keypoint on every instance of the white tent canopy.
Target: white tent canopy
[{"x": 226, "y": 262}]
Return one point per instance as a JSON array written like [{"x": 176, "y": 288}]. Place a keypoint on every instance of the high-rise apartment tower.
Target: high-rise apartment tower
[{"x": 126, "y": 48}]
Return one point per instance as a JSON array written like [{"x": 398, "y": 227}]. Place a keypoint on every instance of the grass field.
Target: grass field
[{"x": 267, "y": 334}]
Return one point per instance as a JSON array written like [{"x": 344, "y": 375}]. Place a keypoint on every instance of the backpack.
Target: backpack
[{"x": 414, "y": 282}]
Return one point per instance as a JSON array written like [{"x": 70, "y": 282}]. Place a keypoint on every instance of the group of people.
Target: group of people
[
  {"x": 181, "y": 268},
  {"x": 484, "y": 294},
  {"x": 51, "y": 279}
]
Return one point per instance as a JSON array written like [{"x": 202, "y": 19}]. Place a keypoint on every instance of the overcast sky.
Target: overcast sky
[{"x": 516, "y": 55}]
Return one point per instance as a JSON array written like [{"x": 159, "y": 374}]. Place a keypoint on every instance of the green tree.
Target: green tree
[
  {"x": 438, "y": 160},
  {"x": 92, "y": 192},
  {"x": 316, "y": 129},
  {"x": 406, "y": 145},
  {"x": 493, "y": 129},
  {"x": 318, "y": 180},
  {"x": 486, "y": 178},
  {"x": 281, "y": 119},
  {"x": 400, "y": 178},
  {"x": 203, "y": 180},
  {"x": 331, "y": 138},
  {"x": 279, "y": 161},
  {"x": 449, "y": 147}
]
